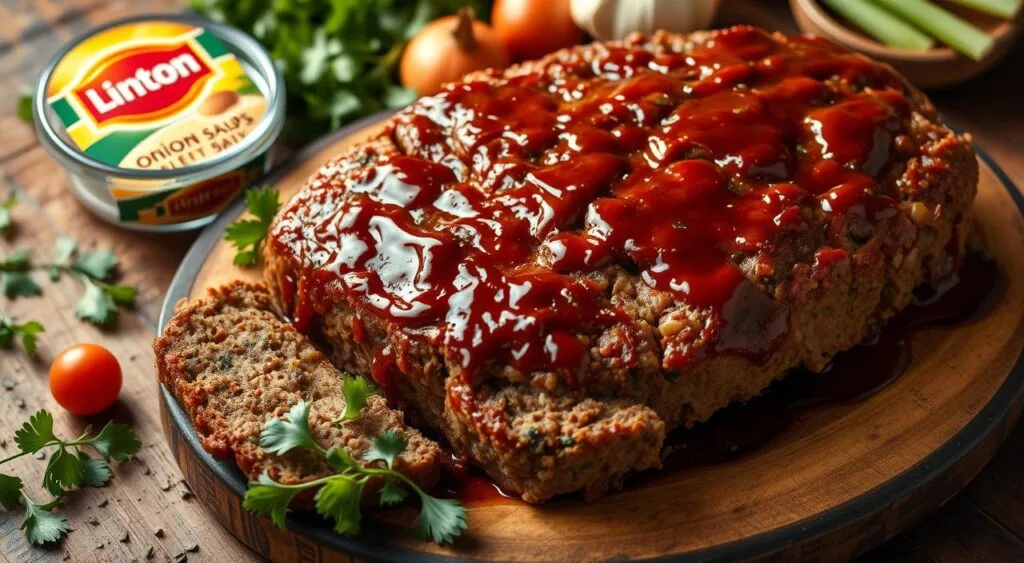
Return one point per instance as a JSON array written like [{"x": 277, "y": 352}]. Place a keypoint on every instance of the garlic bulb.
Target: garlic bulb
[{"x": 615, "y": 19}]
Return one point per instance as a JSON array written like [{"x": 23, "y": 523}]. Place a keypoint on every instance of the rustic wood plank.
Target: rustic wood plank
[{"x": 136, "y": 502}]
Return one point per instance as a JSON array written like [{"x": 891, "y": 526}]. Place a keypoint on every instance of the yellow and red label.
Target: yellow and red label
[
  {"x": 156, "y": 95},
  {"x": 141, "y": 85}
]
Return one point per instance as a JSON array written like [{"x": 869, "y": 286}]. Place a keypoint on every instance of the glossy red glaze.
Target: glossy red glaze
[{"x": 483, "y": 237}]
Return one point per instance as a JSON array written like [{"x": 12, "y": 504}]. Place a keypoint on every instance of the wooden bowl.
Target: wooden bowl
[{"x": 935, "y": 68}]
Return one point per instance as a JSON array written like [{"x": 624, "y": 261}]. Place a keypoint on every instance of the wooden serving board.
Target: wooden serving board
[{"x": 840, "y": 479}]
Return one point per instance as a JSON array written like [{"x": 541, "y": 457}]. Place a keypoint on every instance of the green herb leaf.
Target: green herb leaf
[
  {"x": 356, "y": 391},
  {"x": 14, "y": 278},
  {"x": 18, "y": 284},
  {"x": 117, "y": 442},
  {"x": 10, "y": 491},
  {"x": 386, "y": 446},
  {"x": 338, "y": 499},
  {"x": 340, "y": 460},
  {"x": 41, "y": 525},
  {"x": 25, "y": 108},
  {"x": 391, "y": 493},
  {"x": 64, "y": 472},
  {"x": 122, "y": 295},
  {"x": 440, "y": 520},
  {"x": 63, "y": 250},
  {"x": 280, "y": 436},
  {"x": 19, "y": 260},
  {"x": 246, "y": 235},
  {"x": 339, "y": 496},
  {"x": 95, "y": 472},
  {"x": 95, "y": 305},
  {"x": 99, "y": 264},
  {"x": 269, "y": 499},
  {"x": 36, "y": 433},
  {"x": 5, "y": 213},
  {"x": 27, "y": 333}
]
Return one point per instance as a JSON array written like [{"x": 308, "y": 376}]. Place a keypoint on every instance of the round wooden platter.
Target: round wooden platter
[{"x": 840, "y": 479}]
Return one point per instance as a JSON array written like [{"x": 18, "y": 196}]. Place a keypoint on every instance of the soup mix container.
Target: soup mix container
[{"x": 160, "y": 121}]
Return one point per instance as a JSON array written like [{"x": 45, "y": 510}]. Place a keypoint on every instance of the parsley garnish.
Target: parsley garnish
[
  {"x": 70, "y": 467},
  {"x": 15, "y": 280},
  {"x": 338, "y": 496},
  {"x": 356, "y": 391},
  {"x": 247, "y": 234},
  {"x": 26, "y": 332},
  {"x": 95, "y": 270}
]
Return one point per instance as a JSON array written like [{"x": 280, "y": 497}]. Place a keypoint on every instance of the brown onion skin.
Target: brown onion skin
[{"x": 443, "y": 52}]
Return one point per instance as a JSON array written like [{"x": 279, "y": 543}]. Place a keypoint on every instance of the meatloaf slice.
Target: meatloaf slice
[
  {"x": 234, "y": 364},
  {"x": 553, "y": 264}
]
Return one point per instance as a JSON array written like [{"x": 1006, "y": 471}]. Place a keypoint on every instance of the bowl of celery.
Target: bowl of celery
[{"x": 933, "y": 43}]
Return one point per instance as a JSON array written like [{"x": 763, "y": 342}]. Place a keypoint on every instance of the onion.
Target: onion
[{"x": 448, "y": 48}]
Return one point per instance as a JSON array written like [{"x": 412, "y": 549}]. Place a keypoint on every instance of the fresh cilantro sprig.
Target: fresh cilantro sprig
[
  {"x": 338, "y": 496},
  {"x": 15, "y": 279},
  {"x": 246, "y": 235},
  {"x": 26, "y": 332},
  {"x": 70, "y": 467},
  {"x": 94, "y": 269}
]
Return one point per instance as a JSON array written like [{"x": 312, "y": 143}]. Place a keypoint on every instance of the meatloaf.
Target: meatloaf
[
  {"x": 233, "y": 365},
  {"x": 551, "y": 266}
]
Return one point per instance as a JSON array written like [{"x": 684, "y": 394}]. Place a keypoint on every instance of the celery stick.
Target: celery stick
[
  {"x": 1005, "y": 9},
  {"x": 880, "y": 24},
  {"x": 942, "y": 25}
]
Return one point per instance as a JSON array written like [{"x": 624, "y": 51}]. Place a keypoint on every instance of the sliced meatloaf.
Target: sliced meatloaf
[
  {"x": 233, "y": 364},
  {"x": 554, "y": 264}
]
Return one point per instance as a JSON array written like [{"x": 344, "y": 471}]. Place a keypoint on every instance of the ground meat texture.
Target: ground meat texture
[
  {"x": 234, "y": 364},
  {"x": 554, "y": 264}
]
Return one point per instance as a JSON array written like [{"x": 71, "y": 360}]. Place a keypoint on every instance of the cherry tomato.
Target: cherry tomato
[
  {"x": 534, "y": 28},
  {"x": 85, "y": 379}
]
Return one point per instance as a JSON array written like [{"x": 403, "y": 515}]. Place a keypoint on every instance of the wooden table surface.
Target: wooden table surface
[{"x": 984, "y": 522}]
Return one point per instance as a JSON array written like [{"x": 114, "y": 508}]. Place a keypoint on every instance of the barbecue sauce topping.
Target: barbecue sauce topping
[{"x": 490, "y": 235}]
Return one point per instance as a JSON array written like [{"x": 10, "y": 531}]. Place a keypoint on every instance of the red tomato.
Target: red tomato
[
  {"x": 534, "y": 28},
  {"x": 85, "y": 379}
]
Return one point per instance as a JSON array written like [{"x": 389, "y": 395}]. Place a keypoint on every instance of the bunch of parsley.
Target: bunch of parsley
[
  {"x": 338, "y": 496},
  {"x": 338, "y": 57},
  {"x": 70, "y": 467}
]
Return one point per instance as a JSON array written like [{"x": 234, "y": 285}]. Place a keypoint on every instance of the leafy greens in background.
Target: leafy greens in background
[{"x": 338, "y": 57}]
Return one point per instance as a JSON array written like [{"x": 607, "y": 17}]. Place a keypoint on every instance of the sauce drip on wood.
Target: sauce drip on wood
[{"x": 492, "y": 234}]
